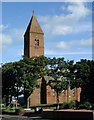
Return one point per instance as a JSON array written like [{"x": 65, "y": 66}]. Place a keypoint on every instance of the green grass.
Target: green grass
[{"x": 11, "y": 110}]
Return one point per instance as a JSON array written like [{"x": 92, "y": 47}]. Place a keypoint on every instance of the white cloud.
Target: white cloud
[
  {"x": 63, "y": 45},
  {"x": 54, "y": 53},
  {"x": 64, "y": 24},
  {"x": 14, "y": 35},
  {"x": 78, "y": 10},
  {"x": 87, "y": 42},
  {"x": 17, "y": 33},
  {"x": 5, "y": 39},
  {"x": 2, "y": 27},
  {"x": 68, "y": 45},
  {"x": 59, "y": 30}
]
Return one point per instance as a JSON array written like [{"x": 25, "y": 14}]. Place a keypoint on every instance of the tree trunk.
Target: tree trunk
[
  {"x": 28, "y": 103},
  {"x": 57, "y": 100},
  {"x": 25, "y": 98},
  {"x": 7, "y": 100},
  {"x": 17, "y": 92},
  {"x": 43, "y": 91}
]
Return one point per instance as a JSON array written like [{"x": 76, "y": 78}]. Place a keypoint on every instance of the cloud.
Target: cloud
[
  {"x": 69, "y": 23},
  {"x": 63, "y": 45},
  {"x": 10, "y": 42},
  {"x": 3, "y": 27},
  {"x": 78, "y": 10},
  {"x": 5, "y": 39},
  {"x": 54, "y": 53},
  {"x": 73, "y": 44},
  {"x": 59, "y": 30},
  {"x": 10, "y": 36},
  {"x": 17, "y": 33},
  {"x": 87, "y": 42},
  {"x": 49, "y": 52}
]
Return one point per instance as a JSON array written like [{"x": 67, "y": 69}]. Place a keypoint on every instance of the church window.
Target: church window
[
  {"x": 53, "y": 92},
  {"x": 63, "y": 92},
  {"x": 73, "y": 92},
  {"x": 36, "y": 43}
]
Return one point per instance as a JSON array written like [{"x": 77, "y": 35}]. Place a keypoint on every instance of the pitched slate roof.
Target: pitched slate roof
[{"x": 34, "y": 26}]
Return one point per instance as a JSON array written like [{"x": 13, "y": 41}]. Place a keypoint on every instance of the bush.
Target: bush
[
  {"x": 19, "y": 108},
  {"x": 70, "y": 105},
  {"x": 92, "y": 107},
  {"x": 85, "y": 105},
  {"x": 65, "y": 105},
  {"x": 2, "y": 106},
  {"x": 73, "y": 104},
  {"x": 8, "y": 111}
]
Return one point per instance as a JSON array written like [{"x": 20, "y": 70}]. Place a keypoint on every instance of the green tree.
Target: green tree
[
  {"x": 84, "y": 78},
  {"x": 21, "y": 76},
  {"x": 18, "y": 76},
  {"x": 57, "y": 72},
  {"x": 35, "y": 68},
  {"x": 8, "y": 81}
]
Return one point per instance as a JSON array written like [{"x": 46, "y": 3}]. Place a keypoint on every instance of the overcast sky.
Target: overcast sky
[{"x": 67, "y": 28}]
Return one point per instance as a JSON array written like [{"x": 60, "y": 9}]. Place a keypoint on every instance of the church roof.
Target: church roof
[{"x": 34, "y": 26}]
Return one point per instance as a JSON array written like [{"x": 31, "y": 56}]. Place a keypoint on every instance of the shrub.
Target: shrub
[
  {"x": 8, "y": 111},
  {"x": 19, "y": 108},
  {"x": 65, "y": 105},
  {"x": 73, "y": 104},
  {"x": 85, "y": 105},
  {"x": 2, "y": 106},
  {"x": 92, "y": 107}
]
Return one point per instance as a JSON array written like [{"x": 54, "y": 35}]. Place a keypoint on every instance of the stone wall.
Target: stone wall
[{"x": 65, "y": 95}]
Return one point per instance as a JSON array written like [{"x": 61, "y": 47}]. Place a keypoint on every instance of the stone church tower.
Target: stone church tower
[
  {"x": 34, "y": 47},
  {"x": 33, "y": 39}
]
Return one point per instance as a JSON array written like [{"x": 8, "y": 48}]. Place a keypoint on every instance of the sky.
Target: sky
[{"x": 67, "y": 28}]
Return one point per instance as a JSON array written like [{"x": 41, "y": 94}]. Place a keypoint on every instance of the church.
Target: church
[{"x": 33, "y": 47}]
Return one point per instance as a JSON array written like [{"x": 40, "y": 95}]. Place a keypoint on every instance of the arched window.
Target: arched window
[
  {"x": 73, "y": 92},
  {"x": 36, "y": 43},
  {"x": 63, "y": 92}
]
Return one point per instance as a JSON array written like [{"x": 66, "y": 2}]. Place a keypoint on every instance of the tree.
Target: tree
[
  {"x": 34, "y": 69},
  {"x": 21, "y": 77},
  {"x": 28, "y": 76},
  {"x": 58, "y": 82},
  {"x": 8, "y": 82},
  {"x": 41, "y": 67},
  {"x": 70, "y": 73},
  {"x": 84, "y": 74},
  {"x": 18, "y": 76}
]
